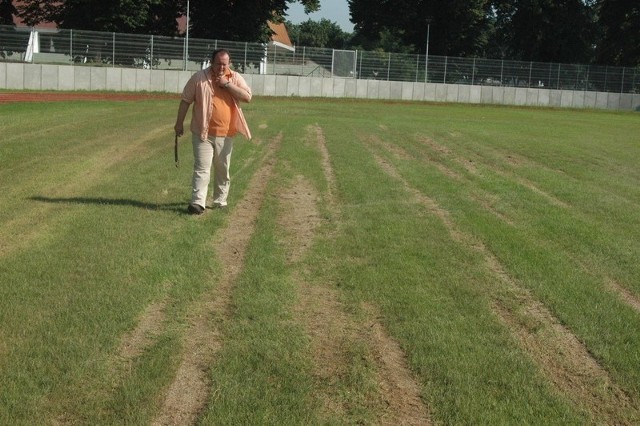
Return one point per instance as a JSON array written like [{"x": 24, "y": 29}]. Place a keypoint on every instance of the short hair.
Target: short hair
[{"x": 219, "y": 51}]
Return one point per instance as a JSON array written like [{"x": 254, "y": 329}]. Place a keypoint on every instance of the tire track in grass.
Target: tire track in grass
[
  {"x": 483, "y": 198},
  {"x": 625, "y": 295},
  {"x": 334, "y": 332},
  {"x": 188, "y": 394},
  {"x": 565, "y": 361},
  {"x": 610, "y": 284},
  {"x": 149, "y": 325},
  {"x": 517, "y": 160},
  {"x": 326, "y": 166},
  {"x": 559, "y": 354},
  {"x": 443, "y": 150}
]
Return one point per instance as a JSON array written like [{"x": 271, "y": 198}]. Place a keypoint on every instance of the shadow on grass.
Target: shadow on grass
[{"x": 101, "y": 201}]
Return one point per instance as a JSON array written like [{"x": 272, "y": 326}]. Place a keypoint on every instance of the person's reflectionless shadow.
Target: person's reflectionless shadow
[{"x": 103, "y": 201}]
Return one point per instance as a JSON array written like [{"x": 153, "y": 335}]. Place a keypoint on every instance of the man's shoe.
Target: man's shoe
[
  {"x": 195, "y": 209},
  {"x": 219, "y": 206}
]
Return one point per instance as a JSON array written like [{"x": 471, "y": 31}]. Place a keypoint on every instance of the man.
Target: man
[{"x": 216, "y": 118}]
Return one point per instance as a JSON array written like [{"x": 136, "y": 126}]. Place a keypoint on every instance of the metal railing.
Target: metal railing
[{"x": 47, "y": 46}]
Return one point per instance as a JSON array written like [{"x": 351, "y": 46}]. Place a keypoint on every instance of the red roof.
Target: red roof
[{"x": 281, "y": 35}]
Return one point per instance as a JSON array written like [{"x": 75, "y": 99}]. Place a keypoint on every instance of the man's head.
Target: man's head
[{"x": 220, "y": 61}]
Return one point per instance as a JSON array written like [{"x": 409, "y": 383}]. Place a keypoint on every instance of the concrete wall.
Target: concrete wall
[{"x": 20, "y": 76}]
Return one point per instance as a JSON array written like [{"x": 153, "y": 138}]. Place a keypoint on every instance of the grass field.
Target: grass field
[{"x": 380, "y": 263}]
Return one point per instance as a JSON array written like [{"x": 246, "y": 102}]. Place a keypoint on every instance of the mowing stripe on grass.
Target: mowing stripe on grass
[
  {"x": 150, "y": 325},
  {"x": 517, "y": 272},
  {"x": 327, "y": 169},
  {"x": 188, "y": 395},
  {"x": 628, "y": 297},
  {"x": 563, "y": 359},
  {"x": 394, "y": 396},
  {"x": 443, "y": 151}
]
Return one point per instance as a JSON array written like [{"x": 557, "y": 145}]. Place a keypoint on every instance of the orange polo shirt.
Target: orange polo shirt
[
  {"x": 199, "y": 92},
  {"x": 221, "y": 123}
]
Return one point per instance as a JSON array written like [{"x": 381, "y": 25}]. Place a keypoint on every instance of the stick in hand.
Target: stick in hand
[{"x": 175, "y": 151}]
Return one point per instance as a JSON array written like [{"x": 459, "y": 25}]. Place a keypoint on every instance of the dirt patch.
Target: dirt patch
[
  {"x": 400, "y": 153},
  {"x": 10, "y": 97},
  {"x": 487, "y": 202},
  {"x": 302, "y": 218},
  {"x": 334, "y": 333},
  {"x": 399, "y": 388},
  {"x": 610, "y": 284},
  {"x": 433, "y": 145},
  {"x": 395, "y": 150},
  {"x": 150, "y": 324},
  {"x": 624, "y": 294},
  {"x": 189, "y": 392},
  {"x": 527, "y": 184},
  {"x": 331, "y": 332},
  {"x": 514, "y": 160},
  {"x": 326, "y": 164},
  {"x": 468, "y": 164},
  {"x": 318, "y": 307},
  {"x": 567, "y": 363}
]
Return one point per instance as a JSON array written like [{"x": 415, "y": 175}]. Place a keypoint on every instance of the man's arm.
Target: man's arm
[
  {"x": 182, "y": 113},
  {"x": 238, "y": 92},
  {"x": 236, "y": 86}
]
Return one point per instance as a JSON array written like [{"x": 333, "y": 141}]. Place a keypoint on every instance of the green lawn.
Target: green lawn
[{"x": 497, "y": 247}]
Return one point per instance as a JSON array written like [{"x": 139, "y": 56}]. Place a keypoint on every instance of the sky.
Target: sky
[{"x": 334, "y": 10}]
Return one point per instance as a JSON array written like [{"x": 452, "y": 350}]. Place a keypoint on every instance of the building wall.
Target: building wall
[{"x": 22, "y": 76}]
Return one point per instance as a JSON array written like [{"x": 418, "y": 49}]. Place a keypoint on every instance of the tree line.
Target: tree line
[{"x": 603, "y": 32}]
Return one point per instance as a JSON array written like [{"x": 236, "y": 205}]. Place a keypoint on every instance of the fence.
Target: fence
[{"x": 57, "y": 46}]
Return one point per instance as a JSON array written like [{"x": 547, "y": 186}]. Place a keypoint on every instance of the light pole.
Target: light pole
[
  {"x": 186, "y": 46},
  {"x": 426, "y": 62}
]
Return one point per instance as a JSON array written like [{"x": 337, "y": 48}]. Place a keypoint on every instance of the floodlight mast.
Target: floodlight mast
[
  {"x": 426, "y": 62},
  {"x": 186, "y": 48}
]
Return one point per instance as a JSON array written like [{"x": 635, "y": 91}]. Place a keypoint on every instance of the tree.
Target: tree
[
  {"x": 619, "y": 23},
  {"x": 545, "y": 30},
  {"x": 7, "y": 10},
  {"x": 457, "y": 27},
  {"x": 499, "y": 40},
  {"x": 323, "y": 33},
  {"x": 163, "y": 17},
  {"x": 127, "y": 16},
  {"x": 239, "y": 20}
]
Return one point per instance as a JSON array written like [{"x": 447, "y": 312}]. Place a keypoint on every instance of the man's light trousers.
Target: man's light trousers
[{"x": 214, "y": 151}]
